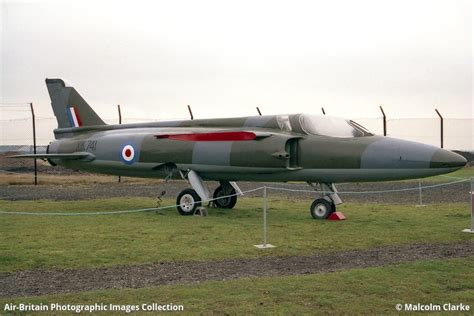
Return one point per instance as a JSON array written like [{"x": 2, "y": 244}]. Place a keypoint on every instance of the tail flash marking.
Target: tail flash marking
[{"x": 73, "y": 116}]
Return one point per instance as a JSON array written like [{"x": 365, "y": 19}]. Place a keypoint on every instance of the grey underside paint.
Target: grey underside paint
[{"x": 218, "y": 173}]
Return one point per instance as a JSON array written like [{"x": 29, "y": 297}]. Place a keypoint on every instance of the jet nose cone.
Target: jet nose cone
[{"x": 447, "y": 159}]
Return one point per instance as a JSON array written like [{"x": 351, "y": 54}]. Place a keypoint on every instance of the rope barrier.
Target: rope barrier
[
  {"x": 86, "y": 213},
  {"x": 125, "y": 211},
  {"x": 223, "y": 197},
  {"x": 451, "y": 177},
  {"x": 374, "y": 192}
]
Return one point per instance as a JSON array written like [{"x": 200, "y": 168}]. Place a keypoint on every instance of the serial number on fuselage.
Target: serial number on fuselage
[{"x": 88, "y": 145}]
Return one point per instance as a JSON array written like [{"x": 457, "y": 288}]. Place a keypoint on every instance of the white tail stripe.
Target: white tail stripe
[{"x": 74, "y": 117}]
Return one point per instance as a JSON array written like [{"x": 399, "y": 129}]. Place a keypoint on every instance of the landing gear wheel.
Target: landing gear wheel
[
  {"x": 321, "y": 209},
  {"x": 227, "y": 202},
  {"x": 188, "y": 201}
]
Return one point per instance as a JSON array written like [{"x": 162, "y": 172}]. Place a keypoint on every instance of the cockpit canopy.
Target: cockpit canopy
[{"x": 331, "y": 126}]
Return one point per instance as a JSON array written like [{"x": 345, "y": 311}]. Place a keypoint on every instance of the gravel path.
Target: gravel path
[
  {"x": 445, "y": 194},
  {"x": 43, "y": 282}
]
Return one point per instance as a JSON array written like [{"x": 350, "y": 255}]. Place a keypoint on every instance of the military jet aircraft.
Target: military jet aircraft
[{"x": 320, "y": 150}]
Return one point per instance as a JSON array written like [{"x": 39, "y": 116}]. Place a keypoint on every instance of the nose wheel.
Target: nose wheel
[
  {"x": 187, "y": 202},
  {"x": 322, "y": 208}
]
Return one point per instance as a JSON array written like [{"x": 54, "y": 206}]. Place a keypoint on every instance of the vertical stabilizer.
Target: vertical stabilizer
[{"x": 70, "y": 109}]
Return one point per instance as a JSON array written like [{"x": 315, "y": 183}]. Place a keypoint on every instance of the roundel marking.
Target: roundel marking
[{"x": 128, "y": 154}]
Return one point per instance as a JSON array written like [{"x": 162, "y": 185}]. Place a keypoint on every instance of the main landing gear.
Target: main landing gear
[
  {"x": 225, "y": 195},
  {"x": 323, "y": 207},
  {"x": 189, "y": 200}
]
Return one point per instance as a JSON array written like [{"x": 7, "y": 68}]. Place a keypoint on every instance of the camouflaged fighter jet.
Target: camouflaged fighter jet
[{"x": 320, "y": 150}]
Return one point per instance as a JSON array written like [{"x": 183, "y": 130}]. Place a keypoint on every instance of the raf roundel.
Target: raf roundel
[{"x": 128, "y": 153}]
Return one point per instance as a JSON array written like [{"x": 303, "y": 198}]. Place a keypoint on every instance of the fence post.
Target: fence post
[
  {"x": 442, "y": 128},
  {"x": 190, "y": 112},
  {"x": 34, "y": 141},
  {"x": 384, "y": 121},
  {"x": 120, "y": 122}
]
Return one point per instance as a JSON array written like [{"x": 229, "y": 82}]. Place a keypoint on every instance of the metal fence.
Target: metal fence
[{"x": 16, "y": 127}]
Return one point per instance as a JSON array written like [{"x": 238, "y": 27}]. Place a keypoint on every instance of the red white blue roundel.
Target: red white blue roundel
[{"x": 128, "y": 154}]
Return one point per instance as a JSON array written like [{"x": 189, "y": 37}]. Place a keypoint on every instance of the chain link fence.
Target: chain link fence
[
  {"x": 458, "y": 132},
  {"x": 16, "y": 128}
]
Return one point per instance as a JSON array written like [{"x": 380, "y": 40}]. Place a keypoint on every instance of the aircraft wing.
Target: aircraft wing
[{"x": 73, "y": 156}]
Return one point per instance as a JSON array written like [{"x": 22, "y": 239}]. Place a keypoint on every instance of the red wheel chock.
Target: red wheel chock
[{"x": 336, "y": 216}]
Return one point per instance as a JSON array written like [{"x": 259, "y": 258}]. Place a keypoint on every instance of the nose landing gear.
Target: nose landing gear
[{"x": 323, "y": 207}]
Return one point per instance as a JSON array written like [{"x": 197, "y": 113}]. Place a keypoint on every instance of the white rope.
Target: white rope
[
  {"x": 374, "y": 192},
  {"x": 125, "y": 211},
  {"x": 451, "y": 177},
  {"x": 227, "y": 196}
]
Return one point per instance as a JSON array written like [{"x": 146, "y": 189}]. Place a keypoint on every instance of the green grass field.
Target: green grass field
[
  {"x": 48, "y": 242},
  {"x": 28, "y": 242},
  {"x": 465, "y": 173},
  {"x": 358, "y": 291}
]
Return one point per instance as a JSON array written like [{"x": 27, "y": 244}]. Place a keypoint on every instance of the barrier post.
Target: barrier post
[
  {"x": 419, "y": 192},
  {"x": 265, "y": 206},
  {"x": 471, "y": 230},
  {"x": 265, "y": 216},
  {"x": 120, "y": 122}
]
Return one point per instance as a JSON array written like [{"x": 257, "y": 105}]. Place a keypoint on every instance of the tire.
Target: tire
[
  {"x": 228, "y": 202},
  {"x": 321, "y": 209},
  {"x": 188, "y": 201}
]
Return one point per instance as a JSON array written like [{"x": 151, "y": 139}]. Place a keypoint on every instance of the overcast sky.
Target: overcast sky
[{"x": 226, "y": 57}]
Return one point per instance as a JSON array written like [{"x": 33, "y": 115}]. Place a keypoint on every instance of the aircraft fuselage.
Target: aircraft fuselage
[{"x": 277, "y": 155}]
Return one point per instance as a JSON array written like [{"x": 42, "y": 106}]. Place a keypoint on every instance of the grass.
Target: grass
[
  {"x": 465, "y": 173},
  {"x": 28, "y": 242},
  {"x": 358, "y": 291}
]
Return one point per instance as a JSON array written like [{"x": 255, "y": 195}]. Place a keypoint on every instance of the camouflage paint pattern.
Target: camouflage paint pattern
[{"x": 282, "y": 151}]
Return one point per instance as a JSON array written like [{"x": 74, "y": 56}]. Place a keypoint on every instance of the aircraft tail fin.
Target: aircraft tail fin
[{"x": 70, "y": 109}]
